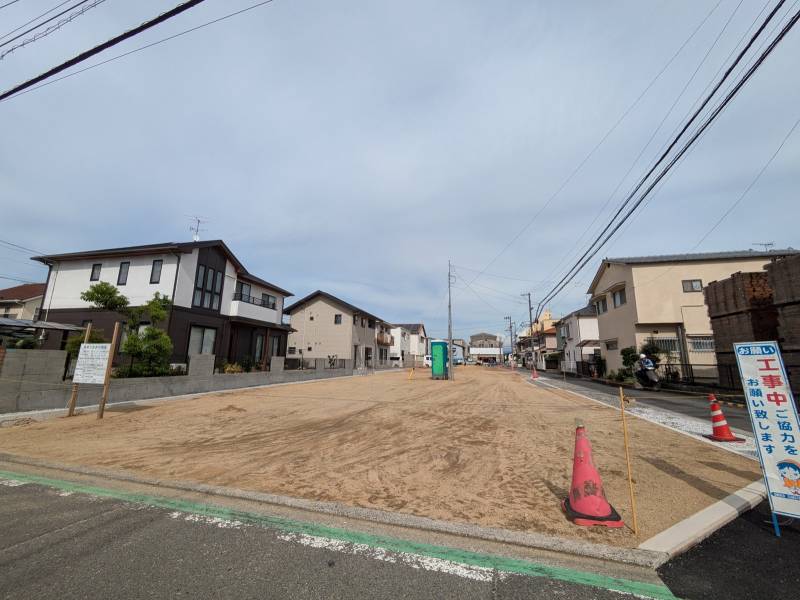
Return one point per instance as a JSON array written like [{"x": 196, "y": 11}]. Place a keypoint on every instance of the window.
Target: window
[
  {"x": 565, "y": 331},
  {"x": 692, "y": 285},
  {"x": 95, "y": 276},
  {"x": 310, "y": 349},
  {"x": 701, "y": 343},
  {"x": 291, "y": 350},
  {"x": 274, "y": 345},
  {"x": 611, "y": 344},
  {"x": 618, "y": 298},
  {"x": 268, "y": 300},
  {"x": 371, "y": 323},
  {"x": 202, "y": 339},
  {"x": 601, "y": 305},
  {"x": 155, "y": 271},
  {"x": 243, "y": 291},
  {"x": 337, "y": 319},
  {"x": 122, "y": 277},
  {"x": 258, "y": 354},
  {"x": 666, "y": 344},
  {"x": 207, "y": 288},
  {"x": 355, "y": 320},
  {"x": 363, "y": 321}
]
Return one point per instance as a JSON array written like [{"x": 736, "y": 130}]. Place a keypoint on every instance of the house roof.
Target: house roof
[
  {"x": 693, "y": 257},
  {"x": 163, "y": 248},
  {"x": 586, "y": 311},
  {"x": 412, "y": 327},
  {"x": 26, "y": 291},
  {"x": 319, "y": 293}
]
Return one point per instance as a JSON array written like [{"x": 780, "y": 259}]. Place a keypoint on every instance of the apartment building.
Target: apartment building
[
  {"x": 660, "y": 298},
  {"x": 325, "y": 326},
  {"x": 578, "y": 340},
  {"x": 218, "y": 306},
  {"x": 486, "y": 348},
  {"x": 21, "y": 301}
]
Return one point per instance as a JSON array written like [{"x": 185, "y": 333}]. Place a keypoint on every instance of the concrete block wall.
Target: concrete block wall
[
  {"x": 30, "y": 395},
  {"x": 201, "y": 365}
]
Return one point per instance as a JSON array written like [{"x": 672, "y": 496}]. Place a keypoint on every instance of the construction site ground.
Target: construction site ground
[{"x": 486, "y": 449}]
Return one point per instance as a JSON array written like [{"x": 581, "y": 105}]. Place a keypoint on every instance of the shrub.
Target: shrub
[
  {"x": 247, "y": 364},
  {"x": 27, "y": 344},
  {"x": 75, "y": 342},
  {"x": 232, "y": 368}
]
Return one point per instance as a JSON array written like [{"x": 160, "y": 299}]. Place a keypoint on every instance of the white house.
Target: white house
[
  {"x": 218, "y": 307},
  {"x": 400, "y": 350},
  {"x": 578, "y": 340},
  {"x": 419, "y": 342}
]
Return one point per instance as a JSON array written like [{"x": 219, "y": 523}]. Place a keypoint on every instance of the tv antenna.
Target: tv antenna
[
  {"x": 195, "y": 226},
  {"x": 765, "y": 245}
]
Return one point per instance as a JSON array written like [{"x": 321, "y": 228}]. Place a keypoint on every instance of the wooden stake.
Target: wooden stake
[
  {"x": 628, "y": 459},
  {"x": 73, "y": 399},
  {"x": 111, "y": 351}
]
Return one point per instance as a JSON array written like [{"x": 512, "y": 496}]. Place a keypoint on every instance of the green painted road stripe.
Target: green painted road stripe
[{"x": 508, "y": 565}]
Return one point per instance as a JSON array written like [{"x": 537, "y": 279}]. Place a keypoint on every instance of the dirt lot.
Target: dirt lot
[{"x": 487, "y": 448}]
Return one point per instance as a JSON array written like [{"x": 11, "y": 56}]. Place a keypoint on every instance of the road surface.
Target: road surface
[{"x": 59, "y": 544}]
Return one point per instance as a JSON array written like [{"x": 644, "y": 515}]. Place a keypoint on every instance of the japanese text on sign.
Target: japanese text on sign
[
  {"x": 91, "y": 365},
  {"x": 775, "y": 423}
]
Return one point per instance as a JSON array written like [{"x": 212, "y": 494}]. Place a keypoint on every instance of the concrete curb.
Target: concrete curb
[
  {"x": 692, "y": 530},
  {"x": 633, "y": 556}
]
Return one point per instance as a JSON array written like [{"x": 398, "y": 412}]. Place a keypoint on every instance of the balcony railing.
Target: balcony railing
[
  {"x": 253, "y": 300},
  {"x": 384, "y": 339}
]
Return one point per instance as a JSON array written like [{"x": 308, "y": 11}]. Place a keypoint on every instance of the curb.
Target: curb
[
  {"x": 692, "y": 530},
  {"x": 632, "y": 556}
]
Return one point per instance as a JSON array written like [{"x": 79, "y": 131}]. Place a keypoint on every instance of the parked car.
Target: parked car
[
  {"x": 427, "y": 361},
  {"x": 458, "y": 361}
]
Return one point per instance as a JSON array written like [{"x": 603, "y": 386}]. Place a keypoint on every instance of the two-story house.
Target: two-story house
[
  {"x": 325, "y": 326},
  {"x": 218, "y": 307},
  {"x": 660, "y": 299},
  {"x": 578, "y": 340},
  {"x": 21, "y": 301},
  {"x": 400, "y": 350},
  {"x": 419, "y": 343}
]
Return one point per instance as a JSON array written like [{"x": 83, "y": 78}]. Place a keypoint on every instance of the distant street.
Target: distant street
[{"x": 691, "y": 405}]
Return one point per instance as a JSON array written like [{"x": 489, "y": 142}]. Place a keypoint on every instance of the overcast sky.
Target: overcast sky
[{"x": 355, "y": 147}]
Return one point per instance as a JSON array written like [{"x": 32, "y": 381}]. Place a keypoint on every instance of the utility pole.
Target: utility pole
[
  {"x": 530, "y": 322},
  {"x": 510, "y": 333},
  {"x": 450, "y": 373}
]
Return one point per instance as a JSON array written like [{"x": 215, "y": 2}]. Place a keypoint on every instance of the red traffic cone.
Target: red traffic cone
[
  {"x": 586, "y": 503},
  {"x": 534, "y": 373},
  {"x": 720, "y": 430}
]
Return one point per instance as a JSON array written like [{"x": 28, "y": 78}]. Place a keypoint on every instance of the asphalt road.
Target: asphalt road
[
  {"x": 691, "y": 405},
  {"x": 59, "y": 544}
]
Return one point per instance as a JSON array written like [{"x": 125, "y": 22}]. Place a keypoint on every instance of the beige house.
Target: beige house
[
  {"x": 661, "y": 298},
  {"x": 327, "y": 327},
  {"x": 21, "y": 301}
]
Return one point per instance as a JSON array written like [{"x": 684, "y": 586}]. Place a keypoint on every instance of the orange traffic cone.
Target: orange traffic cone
[
  {"x": 586, "y": 503},
  {"x": 720, "y": 430},
  {"x": 534, "y": 373}
]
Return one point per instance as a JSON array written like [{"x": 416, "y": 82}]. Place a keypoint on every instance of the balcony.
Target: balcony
[
  {"x": 384, "y": 339},
  {"x": 252, "y": 307}
]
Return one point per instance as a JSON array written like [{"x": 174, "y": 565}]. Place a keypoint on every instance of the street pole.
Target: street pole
[
  {"x": 450, "y": 373},
  {"x": 510, "y": 334},
  {"x": 530, "y": 323}
]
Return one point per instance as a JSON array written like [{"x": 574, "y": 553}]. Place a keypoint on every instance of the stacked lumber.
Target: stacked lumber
[{"x": 784, "y": 277}]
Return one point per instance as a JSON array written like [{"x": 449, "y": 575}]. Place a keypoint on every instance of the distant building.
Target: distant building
[
  {"x": 22, "y": 301},
  {"x": 660, "y": 299},
  {"x": 400, "y": 350},
  {"x": 578, "y": 341},
  {"x": 419, "y": 344},
  {"x": 328, "y": 327},
  {"x": 486, "y": 348}
]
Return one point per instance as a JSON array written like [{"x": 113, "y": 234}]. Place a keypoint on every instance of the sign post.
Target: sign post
[
  {"x": 73, "y": 399},
  {"x": 106, "y": 379},
  {"x": 775, "y": 424}
]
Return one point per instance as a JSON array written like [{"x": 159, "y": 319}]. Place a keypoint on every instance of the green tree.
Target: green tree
[
  {"x": 149, "y": 349},
  {"x": 652, "y": 351},
  {"x": 75, "y": 342},
  {"x": 106, "y": 296},
  {"x": 629, "y": 357}
]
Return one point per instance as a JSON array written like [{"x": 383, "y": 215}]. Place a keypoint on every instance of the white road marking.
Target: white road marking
[
  {"x": 414, "y": 561},
  {"x": 11, "y": 482},
  {"x": 194, "y": 518}
]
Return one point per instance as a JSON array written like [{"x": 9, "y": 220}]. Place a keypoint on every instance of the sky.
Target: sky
[{"x": 357, "y": 147}]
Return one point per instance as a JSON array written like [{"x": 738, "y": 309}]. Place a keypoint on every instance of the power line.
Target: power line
[
  {"x": 35, "y": 27},
  {"x": 600, "y": 143},
  {"x": 146, "y": 46},
  {"x": 26, "y": 23},
  {"x": 16, "y": 279},
  {"x": 53, "y": 28},
  {"x": 19, "y": 248},
  {"x": 100, "y": 48},
  {"x": 710, "y": 119},
  {"x": 2, "y": 6}
]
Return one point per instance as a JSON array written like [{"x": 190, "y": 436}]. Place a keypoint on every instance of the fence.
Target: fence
[{"x": 299, "y": 364}]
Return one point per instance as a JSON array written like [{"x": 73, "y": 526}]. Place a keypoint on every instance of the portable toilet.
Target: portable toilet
[{"x": 439, "y": 361}]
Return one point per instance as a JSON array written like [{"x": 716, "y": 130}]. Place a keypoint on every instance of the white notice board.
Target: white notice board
[
  {"x": 775, "y": 423},
  {"x": 91, "y": 366}
]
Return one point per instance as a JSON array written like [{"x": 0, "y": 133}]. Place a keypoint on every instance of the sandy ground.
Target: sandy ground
[{"x": 487, "y": 448}]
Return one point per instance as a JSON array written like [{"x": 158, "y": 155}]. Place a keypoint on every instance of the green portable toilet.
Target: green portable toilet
[{"x": 439, "y": 362}]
